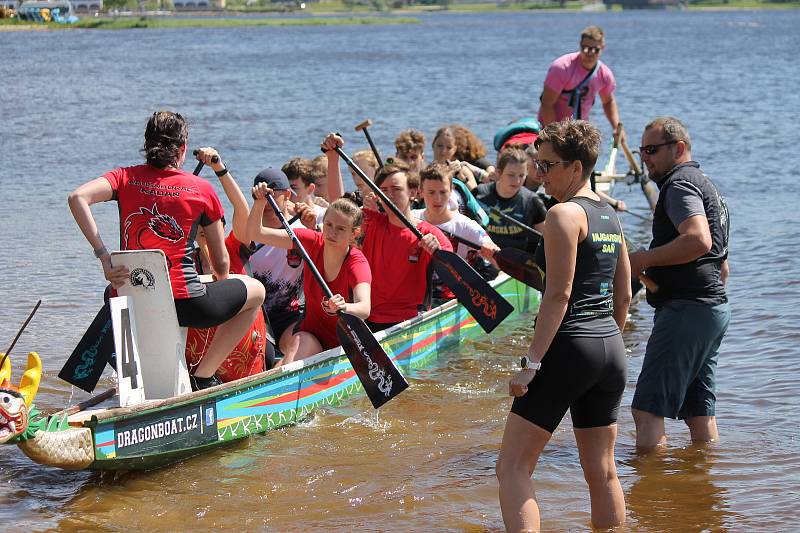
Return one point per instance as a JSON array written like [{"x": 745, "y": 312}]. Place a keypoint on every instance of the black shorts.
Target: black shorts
[
  {"x": 583, "y": 374},
  {"x": 222, "y": 301},
  {"x": 278, "y": 322}
]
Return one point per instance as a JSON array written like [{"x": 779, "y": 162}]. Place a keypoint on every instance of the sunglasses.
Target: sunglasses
[
  {"x": 591, "y": 49},
  {"x": 543, "y": 167},
  {"x": 651, "y": 149}
]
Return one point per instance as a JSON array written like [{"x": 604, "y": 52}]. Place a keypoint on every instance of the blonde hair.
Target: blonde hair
[
  {"x": 349, "y": 209},
  {"x": 367, "y": 156}
]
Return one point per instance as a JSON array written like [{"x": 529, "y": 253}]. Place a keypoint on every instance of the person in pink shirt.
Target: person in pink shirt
[{"x": 574, "y": 80}]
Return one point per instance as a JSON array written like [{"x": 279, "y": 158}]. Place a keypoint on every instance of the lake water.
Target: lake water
[{"x": 75, "y": 105}]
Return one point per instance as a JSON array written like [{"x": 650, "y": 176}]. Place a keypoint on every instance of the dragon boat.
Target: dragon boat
[{"x": 155, "y": 433}]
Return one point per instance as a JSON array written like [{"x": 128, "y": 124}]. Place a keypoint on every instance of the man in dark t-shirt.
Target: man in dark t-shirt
[{"x": 688, "y": 262}]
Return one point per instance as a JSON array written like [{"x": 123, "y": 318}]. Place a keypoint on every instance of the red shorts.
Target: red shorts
[{"x": 245, "y": 360}]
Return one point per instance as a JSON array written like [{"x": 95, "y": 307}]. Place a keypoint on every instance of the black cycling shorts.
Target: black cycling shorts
[
  {"x": 222, "y": 301},
  {"x": 583, "y": 374}
]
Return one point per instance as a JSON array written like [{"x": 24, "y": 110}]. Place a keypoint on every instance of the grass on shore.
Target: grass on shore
[
  {"x": 743, "y": 4},
  {"x": 500, "y": 6},
  {"x": 123, "y": 23}
]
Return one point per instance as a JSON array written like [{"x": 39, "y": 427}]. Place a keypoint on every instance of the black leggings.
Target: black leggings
[
  {"x": 583, "y": 374},
  {"x": 222, "y": 301}
]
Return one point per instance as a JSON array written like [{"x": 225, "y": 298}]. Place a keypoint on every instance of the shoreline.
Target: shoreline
[
  {"x": 203, "y": 20},
  {"x": 332, "y": 15}
]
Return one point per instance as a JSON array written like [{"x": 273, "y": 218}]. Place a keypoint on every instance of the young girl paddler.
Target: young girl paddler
[{"x": 342, "y": 265}]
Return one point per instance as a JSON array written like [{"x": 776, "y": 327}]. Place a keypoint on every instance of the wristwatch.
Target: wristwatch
[{"x": 528, "y": 364}]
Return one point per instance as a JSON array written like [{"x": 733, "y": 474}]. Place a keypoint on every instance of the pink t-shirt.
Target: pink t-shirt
[{"x": 565, "y": 73}]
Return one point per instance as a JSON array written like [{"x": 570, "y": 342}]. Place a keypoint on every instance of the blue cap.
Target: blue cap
[{"x": 274, "y": 178}]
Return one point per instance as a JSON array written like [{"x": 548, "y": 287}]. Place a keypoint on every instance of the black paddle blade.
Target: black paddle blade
[
  {"x": 94, "y": 350},
  {"x": 379, "y": 375},
  {"x": 520, "y": 265},
  {"x": 472, "y": 291}
]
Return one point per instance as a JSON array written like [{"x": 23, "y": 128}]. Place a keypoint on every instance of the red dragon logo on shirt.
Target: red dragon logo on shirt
[{"x": 146, "y": 228}]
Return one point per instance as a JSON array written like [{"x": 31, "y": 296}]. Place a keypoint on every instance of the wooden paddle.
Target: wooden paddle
[
  {"x": 472, "y": 291},
  {"x": 363, "y": 127},
  {"x": 649, "y": 188},
  {"x": 518, "y": 264},
  {"x": 19, "y": 333},
  {"x": 642, "y": 279},
  {"x": 378, "y": 374}
]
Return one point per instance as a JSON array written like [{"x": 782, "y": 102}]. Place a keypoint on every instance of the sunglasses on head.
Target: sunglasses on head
[
  {"x": 651, "y": 149},
  {"x": 543, "y": 167},
  {"x": 591, "y": 49}
]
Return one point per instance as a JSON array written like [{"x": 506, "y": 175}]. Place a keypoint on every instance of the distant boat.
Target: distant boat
[{"x": 59, "y": 11}]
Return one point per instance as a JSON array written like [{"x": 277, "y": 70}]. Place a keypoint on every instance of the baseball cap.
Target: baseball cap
[{"x": 274, "y": 178}]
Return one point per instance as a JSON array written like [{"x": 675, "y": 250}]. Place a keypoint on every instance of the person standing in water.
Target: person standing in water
[
  {"x": 576, "y": 360},
  {"x": 688, "y": 261}
]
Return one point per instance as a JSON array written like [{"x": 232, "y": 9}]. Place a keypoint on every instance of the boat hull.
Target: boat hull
[{"x": 159, "y": 433}]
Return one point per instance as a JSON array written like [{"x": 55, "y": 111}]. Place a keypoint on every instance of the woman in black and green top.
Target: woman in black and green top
[{"x": 576, "y": 360}]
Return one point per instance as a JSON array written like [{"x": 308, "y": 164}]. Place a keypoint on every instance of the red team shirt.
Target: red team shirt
[
  {"x": 354, "y": 270},
  {"x": 161, "y": 209},
  {"x": 239, "y": 254},
  {"x": 400, "y": 266}
]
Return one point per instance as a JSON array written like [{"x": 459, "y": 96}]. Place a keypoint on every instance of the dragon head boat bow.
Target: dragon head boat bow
[{"x": 16, "y": 402}]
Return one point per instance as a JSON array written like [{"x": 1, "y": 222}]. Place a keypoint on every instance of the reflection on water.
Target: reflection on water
[
  {"x": 674, "y": 490},
  {"x": 425, "y": 461}
]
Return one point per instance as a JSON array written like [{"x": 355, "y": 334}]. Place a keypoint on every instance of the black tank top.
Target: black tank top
[{"x": 591, "y": 304}]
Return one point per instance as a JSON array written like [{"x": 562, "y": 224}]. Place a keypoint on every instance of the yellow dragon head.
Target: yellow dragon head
[{"x": 15, "y": 402}]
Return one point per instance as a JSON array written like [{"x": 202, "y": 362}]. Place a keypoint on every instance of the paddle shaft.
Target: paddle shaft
[
  {"x": 384, "y": 199},
  {"x": 631, "y": 160},
  {"x": 648, "y": 187},
  {"x": 200, "y": 164},
  {"x": 299, "y": 247},
  {"x": 94, "y": 400},
  {"x": 637, "y": 215},
  {"x": 363, "y": 127},
  {"x": 462, "y": 240},
  {"x": 515, "y": 222},
  {"x": 612, "y": 158},
  {"x": 19, "y": 333}
]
